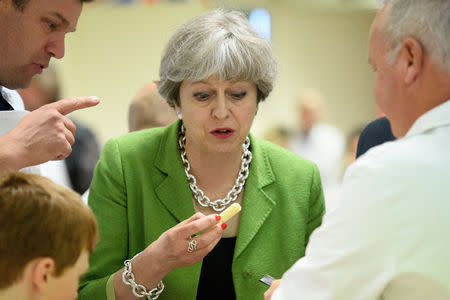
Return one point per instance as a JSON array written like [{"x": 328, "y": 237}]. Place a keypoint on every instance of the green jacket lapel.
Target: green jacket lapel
[
  {"x": 257, "y": 204},
  {"x": 174, "y": 190}
]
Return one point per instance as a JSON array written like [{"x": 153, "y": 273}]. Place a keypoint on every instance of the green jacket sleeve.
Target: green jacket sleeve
[
  {"x": 107, "y": 198},
  {"x": 317, "y": 207}
]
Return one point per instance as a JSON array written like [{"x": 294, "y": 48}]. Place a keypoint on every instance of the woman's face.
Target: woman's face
[{"x": 217, "y": 114}]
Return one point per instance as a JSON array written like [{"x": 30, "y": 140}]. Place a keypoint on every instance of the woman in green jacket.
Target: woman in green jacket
[{"x": 215, "y": 71}]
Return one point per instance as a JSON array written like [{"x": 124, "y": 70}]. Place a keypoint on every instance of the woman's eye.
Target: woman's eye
[
  {"x": 202, "y": 96},
  {"x": 239, "y": 95}
]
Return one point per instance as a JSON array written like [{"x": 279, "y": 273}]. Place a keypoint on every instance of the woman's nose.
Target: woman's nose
[{"x": 220, "y": 107}]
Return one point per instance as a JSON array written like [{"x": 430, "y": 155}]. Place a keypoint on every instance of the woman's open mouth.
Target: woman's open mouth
[{"x": 222, "y": 133}]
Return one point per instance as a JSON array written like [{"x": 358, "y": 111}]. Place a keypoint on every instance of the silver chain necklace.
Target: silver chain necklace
[{"x": 199, "y": 195}]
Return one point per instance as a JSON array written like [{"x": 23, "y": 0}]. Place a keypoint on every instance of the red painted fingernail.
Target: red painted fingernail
[
  {"x": 224, "y": 226},
  {"x": 218, "y": 217}
]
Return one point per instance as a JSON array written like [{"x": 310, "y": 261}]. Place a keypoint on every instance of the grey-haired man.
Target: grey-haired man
[{"x": 389, "y": 237}]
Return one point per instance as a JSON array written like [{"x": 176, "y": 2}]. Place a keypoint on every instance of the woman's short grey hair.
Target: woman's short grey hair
[
  {"x": 426, "y": 21},
  {"x": 217, "y": 42}
]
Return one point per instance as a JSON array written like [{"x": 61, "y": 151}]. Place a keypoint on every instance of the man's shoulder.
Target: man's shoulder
[{"x": 404, "y": 157}]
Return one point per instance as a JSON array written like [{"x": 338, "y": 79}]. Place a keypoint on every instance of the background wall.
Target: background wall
[{"x": 116, "y": 49}]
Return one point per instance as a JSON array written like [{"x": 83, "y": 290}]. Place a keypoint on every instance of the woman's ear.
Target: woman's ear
[{"x": 41, "y": 270}]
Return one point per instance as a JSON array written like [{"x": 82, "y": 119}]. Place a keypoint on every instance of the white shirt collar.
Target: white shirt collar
[
  {"x": 12, "y": 97},
  {"x": 437, "y": 117}
]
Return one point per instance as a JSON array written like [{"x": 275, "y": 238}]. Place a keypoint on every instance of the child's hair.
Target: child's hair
[{"x": 39, "y": 218}]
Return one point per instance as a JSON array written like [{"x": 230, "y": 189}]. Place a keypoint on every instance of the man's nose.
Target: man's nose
[{"x": 56, "y": 47}]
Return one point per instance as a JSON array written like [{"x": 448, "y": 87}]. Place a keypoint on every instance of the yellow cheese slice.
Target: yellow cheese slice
[{"x": 230, "y": 212}]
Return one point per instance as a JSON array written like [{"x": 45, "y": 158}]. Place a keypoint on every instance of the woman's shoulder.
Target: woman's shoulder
[
  {"x": 287, "y": 167},
  {"x": 146, "y": 140}
]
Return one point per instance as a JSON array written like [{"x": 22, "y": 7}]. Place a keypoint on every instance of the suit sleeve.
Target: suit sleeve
[{"x": 107, "y": 199}]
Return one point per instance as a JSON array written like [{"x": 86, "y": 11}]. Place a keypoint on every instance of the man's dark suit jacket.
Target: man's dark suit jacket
[
  {"x": 81, "y": 162},
  {"x": 376, "y": 133}
]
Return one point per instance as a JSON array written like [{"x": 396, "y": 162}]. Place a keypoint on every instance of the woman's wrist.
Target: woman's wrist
[
  {"x": 138, "y": 289},
  {"x": 147, "y": 271},
  {"x": 148, "y": 268}
]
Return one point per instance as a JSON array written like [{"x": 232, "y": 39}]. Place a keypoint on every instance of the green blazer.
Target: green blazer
[{"x": 140, "y": 190}]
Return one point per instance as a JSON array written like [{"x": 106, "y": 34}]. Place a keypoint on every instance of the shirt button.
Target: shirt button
[{"x": 247, "y": 274}]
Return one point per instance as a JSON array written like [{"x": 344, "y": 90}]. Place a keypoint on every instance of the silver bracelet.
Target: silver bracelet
[{"x": 138, "y": 289}]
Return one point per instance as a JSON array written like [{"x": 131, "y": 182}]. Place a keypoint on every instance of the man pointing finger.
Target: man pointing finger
[{"x": 32, "y": 32}]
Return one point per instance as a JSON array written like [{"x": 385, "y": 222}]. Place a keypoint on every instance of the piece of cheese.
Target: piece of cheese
[{"x": 230, "y": 212}]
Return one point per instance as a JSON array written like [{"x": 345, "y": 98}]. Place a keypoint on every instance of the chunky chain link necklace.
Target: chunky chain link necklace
[{"x": 199, "y": 195}]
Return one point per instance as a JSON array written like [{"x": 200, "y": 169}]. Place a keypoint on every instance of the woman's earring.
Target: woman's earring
[{"x": 179, "y": 115}]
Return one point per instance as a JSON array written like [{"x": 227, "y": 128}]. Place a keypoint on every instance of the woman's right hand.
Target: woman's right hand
[
  {"x": 170, "y": 251},
  {"x": 171, "y": 247}
]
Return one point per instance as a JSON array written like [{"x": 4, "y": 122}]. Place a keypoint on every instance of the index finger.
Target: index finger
[
  {"x": 67, "y": 106},
  {"x": 202, "y": 223}
]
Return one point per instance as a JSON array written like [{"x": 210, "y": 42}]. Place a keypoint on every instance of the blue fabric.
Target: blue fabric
[{"x": 376, "y": 133}]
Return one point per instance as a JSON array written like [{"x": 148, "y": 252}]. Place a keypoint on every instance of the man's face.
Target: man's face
[
  {"x": 65, "y": 287},
  {"x": 309, "y": 114},
  {"x": 33, "y": 35},
  {"x": 387, "y": 88}
]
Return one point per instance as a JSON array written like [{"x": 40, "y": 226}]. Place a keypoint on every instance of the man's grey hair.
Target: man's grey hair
[
  {"x": 217, "y": 42},
  {"x": 428, "y": 21}
]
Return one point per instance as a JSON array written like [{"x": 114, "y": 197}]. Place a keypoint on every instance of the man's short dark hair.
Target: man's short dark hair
[{"x": 20, "y": 4}]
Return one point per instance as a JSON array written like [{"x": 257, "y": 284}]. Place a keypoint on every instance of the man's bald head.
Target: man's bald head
[{"x": 148, "y": 109}]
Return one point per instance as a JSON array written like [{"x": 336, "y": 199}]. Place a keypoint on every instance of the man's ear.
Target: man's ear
[
  {"x": 410, "y": 60},
  {"x": 41, "y": 269}
]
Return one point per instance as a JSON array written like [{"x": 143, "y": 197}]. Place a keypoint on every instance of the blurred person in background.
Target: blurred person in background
[
  {"x": 333, "y": 193},
  {"x": 148, "y": 109},
  {"x": 278, "y": 135},
  {"x": 47, "y": 234},
  {"x": 388, "y": 238},
  {"x": 214, "y": 71},
  {"x": 317, "y": 141},
  {"x": 352, "y": 147},
  {"x": 77, "y": 169}
]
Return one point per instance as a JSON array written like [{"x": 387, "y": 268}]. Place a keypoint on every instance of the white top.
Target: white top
[
  {"x": 323, "y": 145},
  {"x": 389, "y": 237}
]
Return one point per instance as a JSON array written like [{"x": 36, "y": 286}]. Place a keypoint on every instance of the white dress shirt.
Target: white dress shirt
[
  {"x": 10, "y": 118},
  {"x": 54, "y": 170},
  {"x": 389, "y": 237}
]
